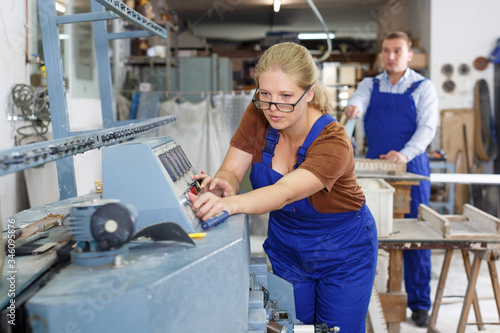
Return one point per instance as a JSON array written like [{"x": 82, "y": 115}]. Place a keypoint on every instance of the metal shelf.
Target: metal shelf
[
  {"x": 101, "y": 11},
  {"x": 36, "y": 154},
  {"x": 133, "y": 17}
]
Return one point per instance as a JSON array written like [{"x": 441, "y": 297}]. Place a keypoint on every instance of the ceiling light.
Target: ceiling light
[
  {"x": 277, "y": 5},
  {"x": 315, "y": 35}
]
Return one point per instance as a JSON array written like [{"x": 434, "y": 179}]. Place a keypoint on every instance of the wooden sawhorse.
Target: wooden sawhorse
[
  {"x": 416, "y": 235},
  {"x": 488, "y": 255}
]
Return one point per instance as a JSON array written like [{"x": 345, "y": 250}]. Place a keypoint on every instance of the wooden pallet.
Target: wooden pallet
[
  {"x": 472, "y": 224},
  {"x": 379, "y": 165}
]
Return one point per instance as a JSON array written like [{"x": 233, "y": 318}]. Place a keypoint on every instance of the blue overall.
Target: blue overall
[
  {"x": 329, "y": 258},
  {"x": 390, "y": 122}
]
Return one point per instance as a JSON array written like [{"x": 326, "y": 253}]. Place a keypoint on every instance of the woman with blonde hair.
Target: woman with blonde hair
[{"x": 321, "y": 237}]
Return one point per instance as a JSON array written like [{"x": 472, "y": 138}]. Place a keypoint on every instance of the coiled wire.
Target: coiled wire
[{"x": 33, "y": 107}]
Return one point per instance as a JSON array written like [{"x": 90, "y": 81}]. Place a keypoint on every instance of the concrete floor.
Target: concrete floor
[{"x": 455, "y": 287}]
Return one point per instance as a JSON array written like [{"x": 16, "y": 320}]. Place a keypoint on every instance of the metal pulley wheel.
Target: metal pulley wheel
[
  {"x": 112, "y": 225},
  {"x": 463, "y": 69},
  {"x": 447, "y": 70},
  {"x": 448, "y": 86}
]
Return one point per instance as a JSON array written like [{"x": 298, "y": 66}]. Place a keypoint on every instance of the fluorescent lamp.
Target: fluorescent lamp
[
  {"x": 60, "y": 7},
  {"x": 315, "y": 35},
  {"x": 277, "y": 5},
  {"x": 465, "y": 178}
]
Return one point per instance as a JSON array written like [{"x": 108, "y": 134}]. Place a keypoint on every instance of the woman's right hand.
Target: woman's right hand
[
  {"x": 207, "y": 205},
  {"x": 217, "y": 186}
]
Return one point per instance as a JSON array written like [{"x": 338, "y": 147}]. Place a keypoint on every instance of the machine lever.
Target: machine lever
[{"x": 215, "y": 221}]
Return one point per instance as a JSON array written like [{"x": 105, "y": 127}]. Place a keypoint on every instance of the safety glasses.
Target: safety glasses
[{"x": 283, "y": 107}]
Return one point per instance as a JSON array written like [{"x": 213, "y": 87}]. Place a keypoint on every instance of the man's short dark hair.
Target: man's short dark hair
[{"x": 401, "y": 35}]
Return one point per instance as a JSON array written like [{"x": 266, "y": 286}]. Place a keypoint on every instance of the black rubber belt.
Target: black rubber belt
[{"x": 485, "y": 140}]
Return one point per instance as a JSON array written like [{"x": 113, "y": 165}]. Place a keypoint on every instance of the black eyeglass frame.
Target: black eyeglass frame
[{"x": 278, "y": 104}]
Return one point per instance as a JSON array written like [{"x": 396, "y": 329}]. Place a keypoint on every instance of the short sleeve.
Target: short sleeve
[
  {"x": 251, "y": 132},
  {"x": 329, "y": 155}
]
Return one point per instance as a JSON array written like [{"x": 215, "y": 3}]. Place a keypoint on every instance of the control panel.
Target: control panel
[
  {"x": 178, "y": 171},
  {"x": 153, "y": 175}
]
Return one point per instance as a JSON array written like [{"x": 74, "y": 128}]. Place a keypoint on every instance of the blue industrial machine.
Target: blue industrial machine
[
  {"x": 128, "y": 261},
  {"x": 134, "y": 268},
  {"x": 169, "y": 285}
]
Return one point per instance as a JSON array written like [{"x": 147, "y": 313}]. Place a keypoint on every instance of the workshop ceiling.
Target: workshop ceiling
[{"x": 246, "y": 20}]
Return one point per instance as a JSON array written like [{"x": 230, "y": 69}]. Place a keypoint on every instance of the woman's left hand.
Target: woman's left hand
[
  {"x": 206, "y": 205},
  {"x": 217, "y": 186}
]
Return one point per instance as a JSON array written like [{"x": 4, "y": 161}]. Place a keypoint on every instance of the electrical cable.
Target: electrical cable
[
  {"x": 322, "y": 22},
  {"x": 33, "y": 106}
]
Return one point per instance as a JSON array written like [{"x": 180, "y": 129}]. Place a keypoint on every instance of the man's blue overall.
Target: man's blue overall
[
  {"x": 390, "y": 121},
  {"x": 329, "y": 258}
]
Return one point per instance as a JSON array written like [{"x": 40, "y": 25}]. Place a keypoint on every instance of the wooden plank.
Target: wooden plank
[
  {"x": 394, "y": 306},
  {"x": 469, "y": 295},
  {"x": 44, "y": 248},
  {"x": 475, "y": 301},
  {"x": 45, "y": 223},
  {"x": 473, "y": 233},
  {"x": 453, "y": 143},
  {"x": 488, "y": 222},
  {"x": 378, "y": 165},
  {"x": 494, "y": 283},
  {"x": 467, "y": 228},
  {"x": 440, "y": 289},
  {"x": 437, "y": 221},
  {"x": 395, "y": 266},
  {"x": 402, "y": 198},
  {"x": 394, "y": 327}
]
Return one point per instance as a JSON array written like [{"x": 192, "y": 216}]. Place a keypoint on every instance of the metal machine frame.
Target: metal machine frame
[{"x": 49, "y": 23}]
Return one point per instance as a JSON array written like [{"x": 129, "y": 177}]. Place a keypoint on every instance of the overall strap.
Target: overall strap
[
  {"x": 272, "y": 138},
  {"x": 313, "y": 134},
  {"x": 376, "y": 84},
  {"x": 413, "y": 86}
]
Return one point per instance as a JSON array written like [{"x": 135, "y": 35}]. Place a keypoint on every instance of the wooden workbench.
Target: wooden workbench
[
  {"x": 412, "y": 234},
  {"x": 393, "y": 302}
]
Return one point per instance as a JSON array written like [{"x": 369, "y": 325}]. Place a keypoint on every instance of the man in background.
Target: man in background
[{"x": 399, "y": 110}]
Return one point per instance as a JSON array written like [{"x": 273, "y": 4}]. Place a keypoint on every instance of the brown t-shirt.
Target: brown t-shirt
[{"x": 330, "y": 158}]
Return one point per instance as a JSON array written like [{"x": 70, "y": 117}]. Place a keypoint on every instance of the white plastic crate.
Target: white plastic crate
[{"x": 379, "y": 198}]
